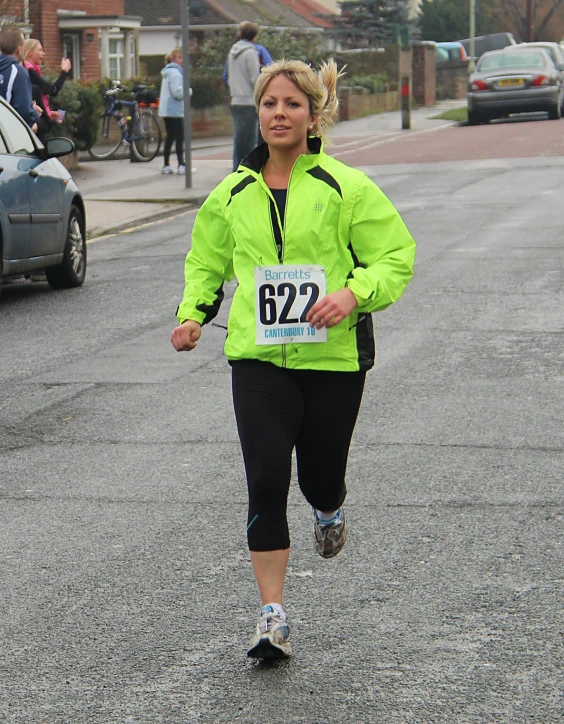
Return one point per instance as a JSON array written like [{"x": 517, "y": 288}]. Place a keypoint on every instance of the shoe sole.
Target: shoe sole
[{"x": 265, "y": 649}]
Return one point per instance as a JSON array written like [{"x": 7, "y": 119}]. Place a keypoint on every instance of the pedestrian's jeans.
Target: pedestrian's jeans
[{"x": 245, "y": 125}]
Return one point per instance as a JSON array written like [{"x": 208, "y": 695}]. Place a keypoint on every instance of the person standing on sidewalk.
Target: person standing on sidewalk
[
  {"x": 171, "y": 109},
  {"x": 243, "y": 69},
  {"x": 33, "y": 55},
  {"x": 315, "y": 247},
  {"x": 15, "y": 85}
]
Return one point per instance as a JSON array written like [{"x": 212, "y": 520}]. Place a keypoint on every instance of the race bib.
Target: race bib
[{"x": 283, "y": 296}]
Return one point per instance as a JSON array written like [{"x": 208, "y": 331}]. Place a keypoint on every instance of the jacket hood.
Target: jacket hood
[
  {"x": 6, "y": 61},
  {"x": 240, "y": 47},
  {"x": 171, "y": 68}
]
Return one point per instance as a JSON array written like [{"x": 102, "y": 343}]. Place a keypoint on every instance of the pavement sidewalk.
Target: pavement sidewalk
[{"x": 119, "y": 194}]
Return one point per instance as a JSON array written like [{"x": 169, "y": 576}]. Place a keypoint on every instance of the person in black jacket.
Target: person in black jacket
[
  {"x": 33, "y": 55},
  {"x": 43, "y": 122}
]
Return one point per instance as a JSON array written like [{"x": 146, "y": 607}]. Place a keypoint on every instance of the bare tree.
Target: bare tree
[{"x": 541, "y": 13}]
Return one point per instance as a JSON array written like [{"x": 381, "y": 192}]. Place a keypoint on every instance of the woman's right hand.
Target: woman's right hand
[
  {"x": 66, "y": 65},
  {"x": 185, "y": 337}
]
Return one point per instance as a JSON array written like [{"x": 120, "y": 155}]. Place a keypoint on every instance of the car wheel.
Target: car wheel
[
  {"x": 72, "y": 270},
  {"x": 474, "y": 118},
  {"x": 555, "y": 113}
]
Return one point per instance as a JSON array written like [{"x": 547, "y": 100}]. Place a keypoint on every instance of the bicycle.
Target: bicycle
[{"x": 138, "y": 128}]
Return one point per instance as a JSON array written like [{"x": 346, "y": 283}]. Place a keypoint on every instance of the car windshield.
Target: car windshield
[{"x": 516, "y": 59}]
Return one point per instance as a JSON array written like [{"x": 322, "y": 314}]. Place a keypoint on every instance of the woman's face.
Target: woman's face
[
  {"x": 284, "y": 115},
  {"x": 178, "y": 59},
  {"x": 36, "y": 55}
]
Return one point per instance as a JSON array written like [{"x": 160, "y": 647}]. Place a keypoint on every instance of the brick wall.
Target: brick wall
[
  {"x": 452, "y": 80},
  {"x": 12, "y": 8},
  {"x": 424, "y": 76},
  {"x": 359, "y": 104}
]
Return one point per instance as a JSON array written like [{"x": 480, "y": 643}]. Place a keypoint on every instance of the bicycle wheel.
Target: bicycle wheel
[
  {"x": 147, "y": 147},
  {"x": 109, "y": 138}
]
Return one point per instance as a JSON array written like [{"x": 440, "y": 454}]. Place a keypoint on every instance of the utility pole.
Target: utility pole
[
  {"x": 185, "y": 20},
  {"x": 472, "y": 63},
  {"x": 530, "y": 35}
]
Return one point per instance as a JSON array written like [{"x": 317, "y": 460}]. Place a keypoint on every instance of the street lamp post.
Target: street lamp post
[
  {"x": 472, "y": 63},
  {"x": 185, "y": 21}
]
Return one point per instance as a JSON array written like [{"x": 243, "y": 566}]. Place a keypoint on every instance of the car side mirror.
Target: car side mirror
[{"x": 56, "y": 147}]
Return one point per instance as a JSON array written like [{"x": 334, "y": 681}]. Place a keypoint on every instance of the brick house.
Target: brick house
[
  {"x": 104, "y": 38},
  {"x": 96, "y": 35}
]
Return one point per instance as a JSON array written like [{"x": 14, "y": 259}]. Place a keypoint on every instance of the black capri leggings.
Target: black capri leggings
[
  {"x": 174, "y": 132},
  {"x": 278, "y": 409}
]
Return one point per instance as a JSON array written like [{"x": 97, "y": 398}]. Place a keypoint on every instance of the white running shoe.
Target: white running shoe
[
  {"x": 271, "y": 638},
  {"x": 181, "y": 169},
  {"x": 167, "y": 169}
]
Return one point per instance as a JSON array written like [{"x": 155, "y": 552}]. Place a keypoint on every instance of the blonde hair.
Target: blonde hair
[
  {"x": 320, "y": 88},
  {"x": 172, "y": 55},
  {"x": 29, "y": 46}
]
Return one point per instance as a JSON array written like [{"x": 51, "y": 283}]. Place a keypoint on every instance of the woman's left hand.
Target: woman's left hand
[{"x": 332, "y": 309}]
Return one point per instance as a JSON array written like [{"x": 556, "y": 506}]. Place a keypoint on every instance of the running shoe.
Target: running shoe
[
  {"x": 167, "y": 169},
  {"x": 181, "y": 169},
  {"x": 271, "y": 638},
  {"x": 329, "y": 538}
]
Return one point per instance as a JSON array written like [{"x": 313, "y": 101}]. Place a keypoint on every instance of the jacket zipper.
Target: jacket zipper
[{"x": 282, "y": 235}]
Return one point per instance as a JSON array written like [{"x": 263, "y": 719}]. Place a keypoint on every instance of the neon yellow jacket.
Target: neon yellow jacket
[{"x": 335, "y": 216}]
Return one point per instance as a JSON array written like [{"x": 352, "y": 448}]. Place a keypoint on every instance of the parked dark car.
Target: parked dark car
[
  {"x": 514, "y": 81},
  {"x": 485, "y": 43},
  {"x": 42, "y": 220}
]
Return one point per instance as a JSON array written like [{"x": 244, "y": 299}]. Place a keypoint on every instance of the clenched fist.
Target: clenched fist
[{"x": 185, "y": 337}]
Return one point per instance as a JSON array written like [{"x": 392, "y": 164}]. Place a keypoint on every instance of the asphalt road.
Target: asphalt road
[{"x": 127, "y": 593}]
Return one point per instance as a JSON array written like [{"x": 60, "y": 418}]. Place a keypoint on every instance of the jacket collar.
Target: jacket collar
[{"x": 256, "y": 159}]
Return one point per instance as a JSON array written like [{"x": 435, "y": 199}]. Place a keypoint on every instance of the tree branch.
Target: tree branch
[{"x": 554, "y": 7}]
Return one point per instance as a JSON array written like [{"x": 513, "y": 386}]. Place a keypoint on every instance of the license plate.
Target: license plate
[{"x": 510, "y": 81}]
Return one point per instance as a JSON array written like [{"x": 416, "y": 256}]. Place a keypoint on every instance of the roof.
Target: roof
[
  {"x": 167, "y": 12},
  {"x": 310, "y": 10},
  {"x": 286, "y": 13}
]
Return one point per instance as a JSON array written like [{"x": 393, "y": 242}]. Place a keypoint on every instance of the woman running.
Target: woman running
[{"x": 315, "y": 247}]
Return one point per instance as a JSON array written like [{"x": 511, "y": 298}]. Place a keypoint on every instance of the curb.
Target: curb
[{"x": 150, "y": 217}]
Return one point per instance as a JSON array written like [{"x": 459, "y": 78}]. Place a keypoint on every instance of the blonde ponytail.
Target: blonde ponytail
[{"x": 169, "y": 58}]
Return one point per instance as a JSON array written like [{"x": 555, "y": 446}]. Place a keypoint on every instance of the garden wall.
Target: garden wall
[
  {"x": 357, "y": 103},
  {"x": 452, "y": 80}
]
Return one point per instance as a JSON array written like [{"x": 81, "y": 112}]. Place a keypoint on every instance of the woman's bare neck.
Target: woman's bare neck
[{"x": 276, "y": 171}]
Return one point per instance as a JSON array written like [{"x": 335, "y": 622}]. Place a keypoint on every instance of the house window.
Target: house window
[
  {"x": 116, "y": 58},
  {"x": 71, "y": 50},
  {"x": 132, "y": 55}
]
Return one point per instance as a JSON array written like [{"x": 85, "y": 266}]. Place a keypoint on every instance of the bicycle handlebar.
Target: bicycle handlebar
[{"x": 119, "y": 87}]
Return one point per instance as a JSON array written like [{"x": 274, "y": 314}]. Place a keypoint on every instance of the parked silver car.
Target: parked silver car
[
  {"x": 514, "y": 81},
  {"x": 553, "y": 49},
  {"x": 42, "y": 220}
]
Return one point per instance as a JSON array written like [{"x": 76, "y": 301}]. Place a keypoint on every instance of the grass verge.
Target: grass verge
[{"x": 455, "y": 114}]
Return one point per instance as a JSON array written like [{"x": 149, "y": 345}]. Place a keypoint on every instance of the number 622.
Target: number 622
[{"x": 268, "y": 309}]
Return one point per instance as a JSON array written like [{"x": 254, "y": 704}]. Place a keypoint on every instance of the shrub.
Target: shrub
[
  {"x": 208, "y": 91},
  {"x": 82, "y": 105},
  {"x": 372, "y": 83}
]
